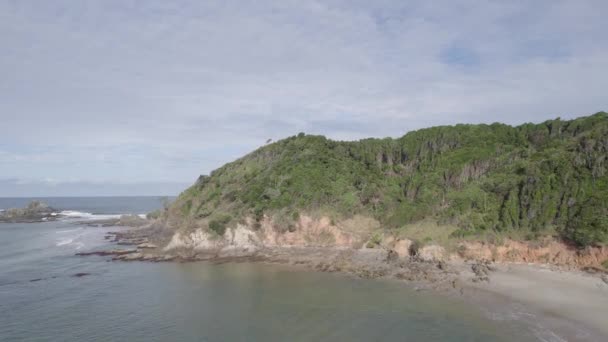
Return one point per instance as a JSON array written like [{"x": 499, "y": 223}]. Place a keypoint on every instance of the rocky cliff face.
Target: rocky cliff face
[
  {"x": 250, "y": 236},
  {"x": 541, "y": 252},
  {"x": 360, "y": 235}
]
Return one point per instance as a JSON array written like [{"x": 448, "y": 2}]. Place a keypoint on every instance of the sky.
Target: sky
[{"x": 141, "y": 97}]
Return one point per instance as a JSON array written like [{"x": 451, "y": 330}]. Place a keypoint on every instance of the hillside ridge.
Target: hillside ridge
[{"x": 533, "y": 179}]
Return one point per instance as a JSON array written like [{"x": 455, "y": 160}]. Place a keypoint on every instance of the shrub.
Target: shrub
[
  {"x": 295, "y": 215},
  {"x": 375, "y": 240},
  {"x": 219, "y": 224},
  {"x": 590, "y": 223},
  {"x": 154, "y": 215}
]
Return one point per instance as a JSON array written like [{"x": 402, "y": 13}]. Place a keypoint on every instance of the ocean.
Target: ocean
[{"x": 43, "y": 299}]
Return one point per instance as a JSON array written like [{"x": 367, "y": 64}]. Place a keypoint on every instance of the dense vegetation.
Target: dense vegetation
[{"x": 534, "y": 178}]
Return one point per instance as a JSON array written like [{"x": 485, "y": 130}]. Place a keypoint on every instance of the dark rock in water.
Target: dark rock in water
[
  {"x": 80, "y": 274},
  {"x": 106, "y": 253},
  {"x": 36, "y": 211}
]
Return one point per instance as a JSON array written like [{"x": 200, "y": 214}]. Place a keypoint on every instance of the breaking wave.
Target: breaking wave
[{"x": 73, "y": 214}]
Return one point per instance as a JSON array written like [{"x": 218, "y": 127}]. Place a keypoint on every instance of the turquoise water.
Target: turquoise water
[{"x": 42, "y": 300}]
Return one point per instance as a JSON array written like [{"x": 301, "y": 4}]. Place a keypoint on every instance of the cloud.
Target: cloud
[
  {"x": 159, "y": 91},
  {"x": 54, "y": 188}
]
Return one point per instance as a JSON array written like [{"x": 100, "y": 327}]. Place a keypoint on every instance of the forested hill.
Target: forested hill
[{"x": 531, "y": 177}]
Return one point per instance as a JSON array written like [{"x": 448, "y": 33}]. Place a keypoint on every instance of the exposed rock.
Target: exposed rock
[
  {"x": 431, "y": 253},
  {"x": 369, "y": 256},
  {"x": 309, "y": 231},
  {"x": 482, "y": 271},
  {"x": 147, "y": 245},
  {"x": 132, "y": 221},
  {"x": 402, "y": 248},
  {"x": 196, "y": 240},
  {"x": 392, "y": 256},
  {"x": 110, "y": 252},
  {"x": 371, "y": 273},
  {"x": 131, "y": 242},
  {"x": 129, "y": 256},
  {"x": 166, "y": 258},
  {"x": 81, "y": 274},
  {"x": 240, "y": 241},
  {"x": 545, "y": 252},
  {"x": 388, "y": 242},
  {"x": 36, "y": 211}
]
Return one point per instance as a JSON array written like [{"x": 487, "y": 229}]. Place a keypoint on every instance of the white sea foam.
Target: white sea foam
[
  {"x": 63, "y": 242},
  {"x": 70, "y": 242},
  {"x": 73, "y": 214},
  {"x": 73, "y": 238},
  {"x": 517, "y": 313},
  {"x": 68, "y": 231}
]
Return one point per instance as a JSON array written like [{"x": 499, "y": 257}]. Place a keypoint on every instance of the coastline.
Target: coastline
[{"x": 556, "y": 304}]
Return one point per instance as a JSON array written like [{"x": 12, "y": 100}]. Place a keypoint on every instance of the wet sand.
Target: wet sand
[{"x": 560, "y": 305}]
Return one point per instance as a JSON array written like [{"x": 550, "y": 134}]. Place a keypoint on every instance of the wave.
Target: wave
[
  {"x": 73, "y": 240},
  {"x": 73, "y": 214},
  {"x": 63, "y": 242},
  {"x": 68, "y": 231},
  {"x": 518, "y": 313}
]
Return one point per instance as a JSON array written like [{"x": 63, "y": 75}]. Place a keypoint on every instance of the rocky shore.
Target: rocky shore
[
  {"x": 496, "y": 284},
  {"x": 430, "y": 265},
  {"x": 425, "y": 268}
]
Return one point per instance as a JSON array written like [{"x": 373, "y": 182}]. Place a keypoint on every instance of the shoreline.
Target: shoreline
[
  {"x": 570, "y": 303},
  {"x": 555, "y": 304}
]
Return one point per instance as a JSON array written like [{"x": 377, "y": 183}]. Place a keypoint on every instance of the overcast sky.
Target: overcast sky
[{"x": 141, "y": 97}]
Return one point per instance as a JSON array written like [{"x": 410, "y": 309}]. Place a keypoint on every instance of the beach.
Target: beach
[{"x": 569, "y": 305}]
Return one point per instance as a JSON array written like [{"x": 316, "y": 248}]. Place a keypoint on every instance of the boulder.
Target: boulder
[
  {"x": 402, "y": 248},
  {"x": 388, "y": 242},
  {"x": 431, "y": 253}
]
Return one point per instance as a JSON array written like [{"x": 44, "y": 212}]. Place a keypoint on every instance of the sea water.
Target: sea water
[{"x": 43, "y": 299}]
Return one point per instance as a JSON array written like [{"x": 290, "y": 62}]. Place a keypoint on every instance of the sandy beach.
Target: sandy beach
[{"x": 559, "y": 305}]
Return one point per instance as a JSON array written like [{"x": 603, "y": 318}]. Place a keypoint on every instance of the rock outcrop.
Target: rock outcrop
[
  {"x": 431, "y": 253},
  {"x": 36, "y": 211},
  {"x": 543, "y": 252},
  {"x": 402, "y": 248},
  {"x": 246, "y": 239}
]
